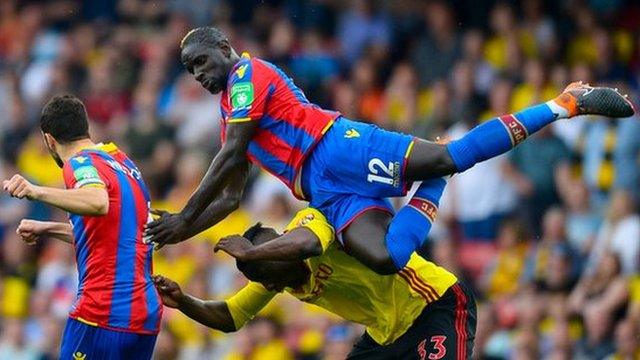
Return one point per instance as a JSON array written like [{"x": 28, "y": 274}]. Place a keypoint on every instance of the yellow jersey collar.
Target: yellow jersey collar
[{"x": 108, "y": 147}]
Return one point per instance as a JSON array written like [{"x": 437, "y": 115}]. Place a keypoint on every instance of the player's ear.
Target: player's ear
[
  {"x": 49, "y": 140},
  {"x": 225, "y": 48}
]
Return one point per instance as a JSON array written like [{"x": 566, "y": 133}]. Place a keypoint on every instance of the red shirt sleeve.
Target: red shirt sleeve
[
  {"x": 80, "y": 171},
  {"x": 248, "y": 91}
]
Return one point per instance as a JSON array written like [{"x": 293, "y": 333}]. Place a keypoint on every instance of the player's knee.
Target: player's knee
[
  {"x": 383, "y": 264},
  {"x": 376, "y": 258}
]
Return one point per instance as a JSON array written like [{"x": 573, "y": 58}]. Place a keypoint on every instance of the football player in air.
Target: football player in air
[{"x": 344, "y": 168}]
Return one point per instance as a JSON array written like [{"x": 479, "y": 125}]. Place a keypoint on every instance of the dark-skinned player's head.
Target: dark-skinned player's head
[
  {"x": 273, "y": 275},
  {"x": 206, "y": 53},
  {"x": 63, "y": 121}
]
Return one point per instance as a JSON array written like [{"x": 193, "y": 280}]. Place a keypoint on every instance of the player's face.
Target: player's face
[
  {"x": 278, "y": 275},
  {"x": 50, "y": 143},
  {"x": 210, "y": 65}
]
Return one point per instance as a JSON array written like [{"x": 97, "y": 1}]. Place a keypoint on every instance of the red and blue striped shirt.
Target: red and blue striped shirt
[
  {"x": 290, "y": 126},
  {"x": 115, "y": 289}
]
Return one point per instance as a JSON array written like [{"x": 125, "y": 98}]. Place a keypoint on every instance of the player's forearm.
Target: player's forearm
[
  {"x": 221, "y": 168},
  {"x": 297, "y": 244},
  {"x": 213, "y": 214},
  {"x": 213, "y": 314},
  {"x": 92, "y": 201},
  {"x": 223, "y": 205},
  {"x": 59, "y": 230}
]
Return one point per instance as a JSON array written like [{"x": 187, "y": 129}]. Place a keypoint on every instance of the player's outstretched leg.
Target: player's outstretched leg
[{"x": 499, "y": 135}]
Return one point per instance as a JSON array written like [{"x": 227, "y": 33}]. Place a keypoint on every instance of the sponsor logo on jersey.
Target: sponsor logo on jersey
[
  {"x": 306, "y": 219},
  {"x": 241, "y": 70},
  {"x": 351, "y": 133},
  {"x": 80, "y": 159},
  {"x": 242, "y": 95}
]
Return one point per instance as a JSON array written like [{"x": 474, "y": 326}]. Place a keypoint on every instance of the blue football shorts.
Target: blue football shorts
[
  {"x": 354, "y": 168},
  {"x": 82, "y": 341}
]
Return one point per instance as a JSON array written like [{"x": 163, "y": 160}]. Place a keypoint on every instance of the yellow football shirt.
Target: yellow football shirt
[{"x": 386, "y": 304}]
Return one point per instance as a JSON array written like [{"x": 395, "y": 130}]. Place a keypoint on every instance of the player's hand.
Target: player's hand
[
  {"x": 20, "y": 188},
  {"x": 168, "y": 229},
  {"x": 169, "y": 291},
  {"x": 234, "y": 245},
  {"x": 30, "y": 231}
]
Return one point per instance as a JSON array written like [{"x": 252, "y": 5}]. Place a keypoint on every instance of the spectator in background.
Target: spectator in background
[
  {"x": 435, "y": 111},
  {"x": 541, "y": 27},
  {"x": 193, "y": 113},
  {"x": 362, "y": 27},
  {"x": 435, "y": 52},
  {"x": 465, "y": 104},
  {"x": 610, "y": 149},
  {"x": 534, "y": 89},
  {"x": 281, "y": 43},
  {"x": 618, "y": 234},
  {"x": 627, "y": 342},
  {"x": 600, "y": 298},
  {"x": 505, "y": 48},
  {"x": 370, "y": 97},
  {"x": 552, "y": 265},
  {"x": 502, "y": 278},
  {"x": 539, "y": 169},
  {"x": 480, "y": 197},
  {"x": 314, "y": 66},
  {"x": 399, "y": 107},
  {"x": 582, "y": 222},
  {"x": 12, "y": 342},
  {"x": 472, "y": 52}
]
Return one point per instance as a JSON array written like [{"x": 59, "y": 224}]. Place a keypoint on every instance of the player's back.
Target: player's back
[
  {"x": 289, "y": 125},
  {"x": 114, "y": 265},
  {"x": 386, "y": 304}
]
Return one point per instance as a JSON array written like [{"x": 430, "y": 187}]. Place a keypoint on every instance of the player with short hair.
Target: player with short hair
[
  {"x": 117, "y": 310},
  {"x": 422, "y": 312},
  {"x": 342, "y": 167}
]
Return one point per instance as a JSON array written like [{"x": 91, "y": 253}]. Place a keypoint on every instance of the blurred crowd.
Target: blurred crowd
[{"x": 548, "y": 235}]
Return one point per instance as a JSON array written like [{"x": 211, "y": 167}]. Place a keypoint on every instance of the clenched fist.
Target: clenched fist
[
  {"x": 20, "y": 188},
  {"x": 31, "y": 230}
]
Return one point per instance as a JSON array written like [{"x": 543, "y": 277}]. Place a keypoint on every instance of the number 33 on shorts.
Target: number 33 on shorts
[{"x": 438, "y": 351}]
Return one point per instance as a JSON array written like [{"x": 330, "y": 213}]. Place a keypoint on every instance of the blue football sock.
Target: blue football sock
[
  {"x": 498, "y": 136},
  {"x": 410, "y": 227}
]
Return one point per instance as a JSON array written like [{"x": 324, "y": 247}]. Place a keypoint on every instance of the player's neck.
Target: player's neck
[{"x": 67, "y": 151}]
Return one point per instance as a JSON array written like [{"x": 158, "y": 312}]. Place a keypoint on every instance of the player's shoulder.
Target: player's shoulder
[
  {"x": 305, "y": 217},
  {"x": 79, "y": 160}
]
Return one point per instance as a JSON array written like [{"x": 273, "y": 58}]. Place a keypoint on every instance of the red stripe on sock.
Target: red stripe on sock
[
  {"x": 425, "y": 207},
  {"x": 517, "y": 132}
]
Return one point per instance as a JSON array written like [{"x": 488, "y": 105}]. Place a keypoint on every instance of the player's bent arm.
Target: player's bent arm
[
  {"x": 223, "y": 205},
  {"x": 211, "y": 313},
  {"x": 229, "y": 315},
  {"x": 60, "y": 230},
  {"x": 90, "y": 200},
  {"x": 298, "y": 244},
  {"x": 31, "y": 230},
  {"x": 232, "y": 155}
]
